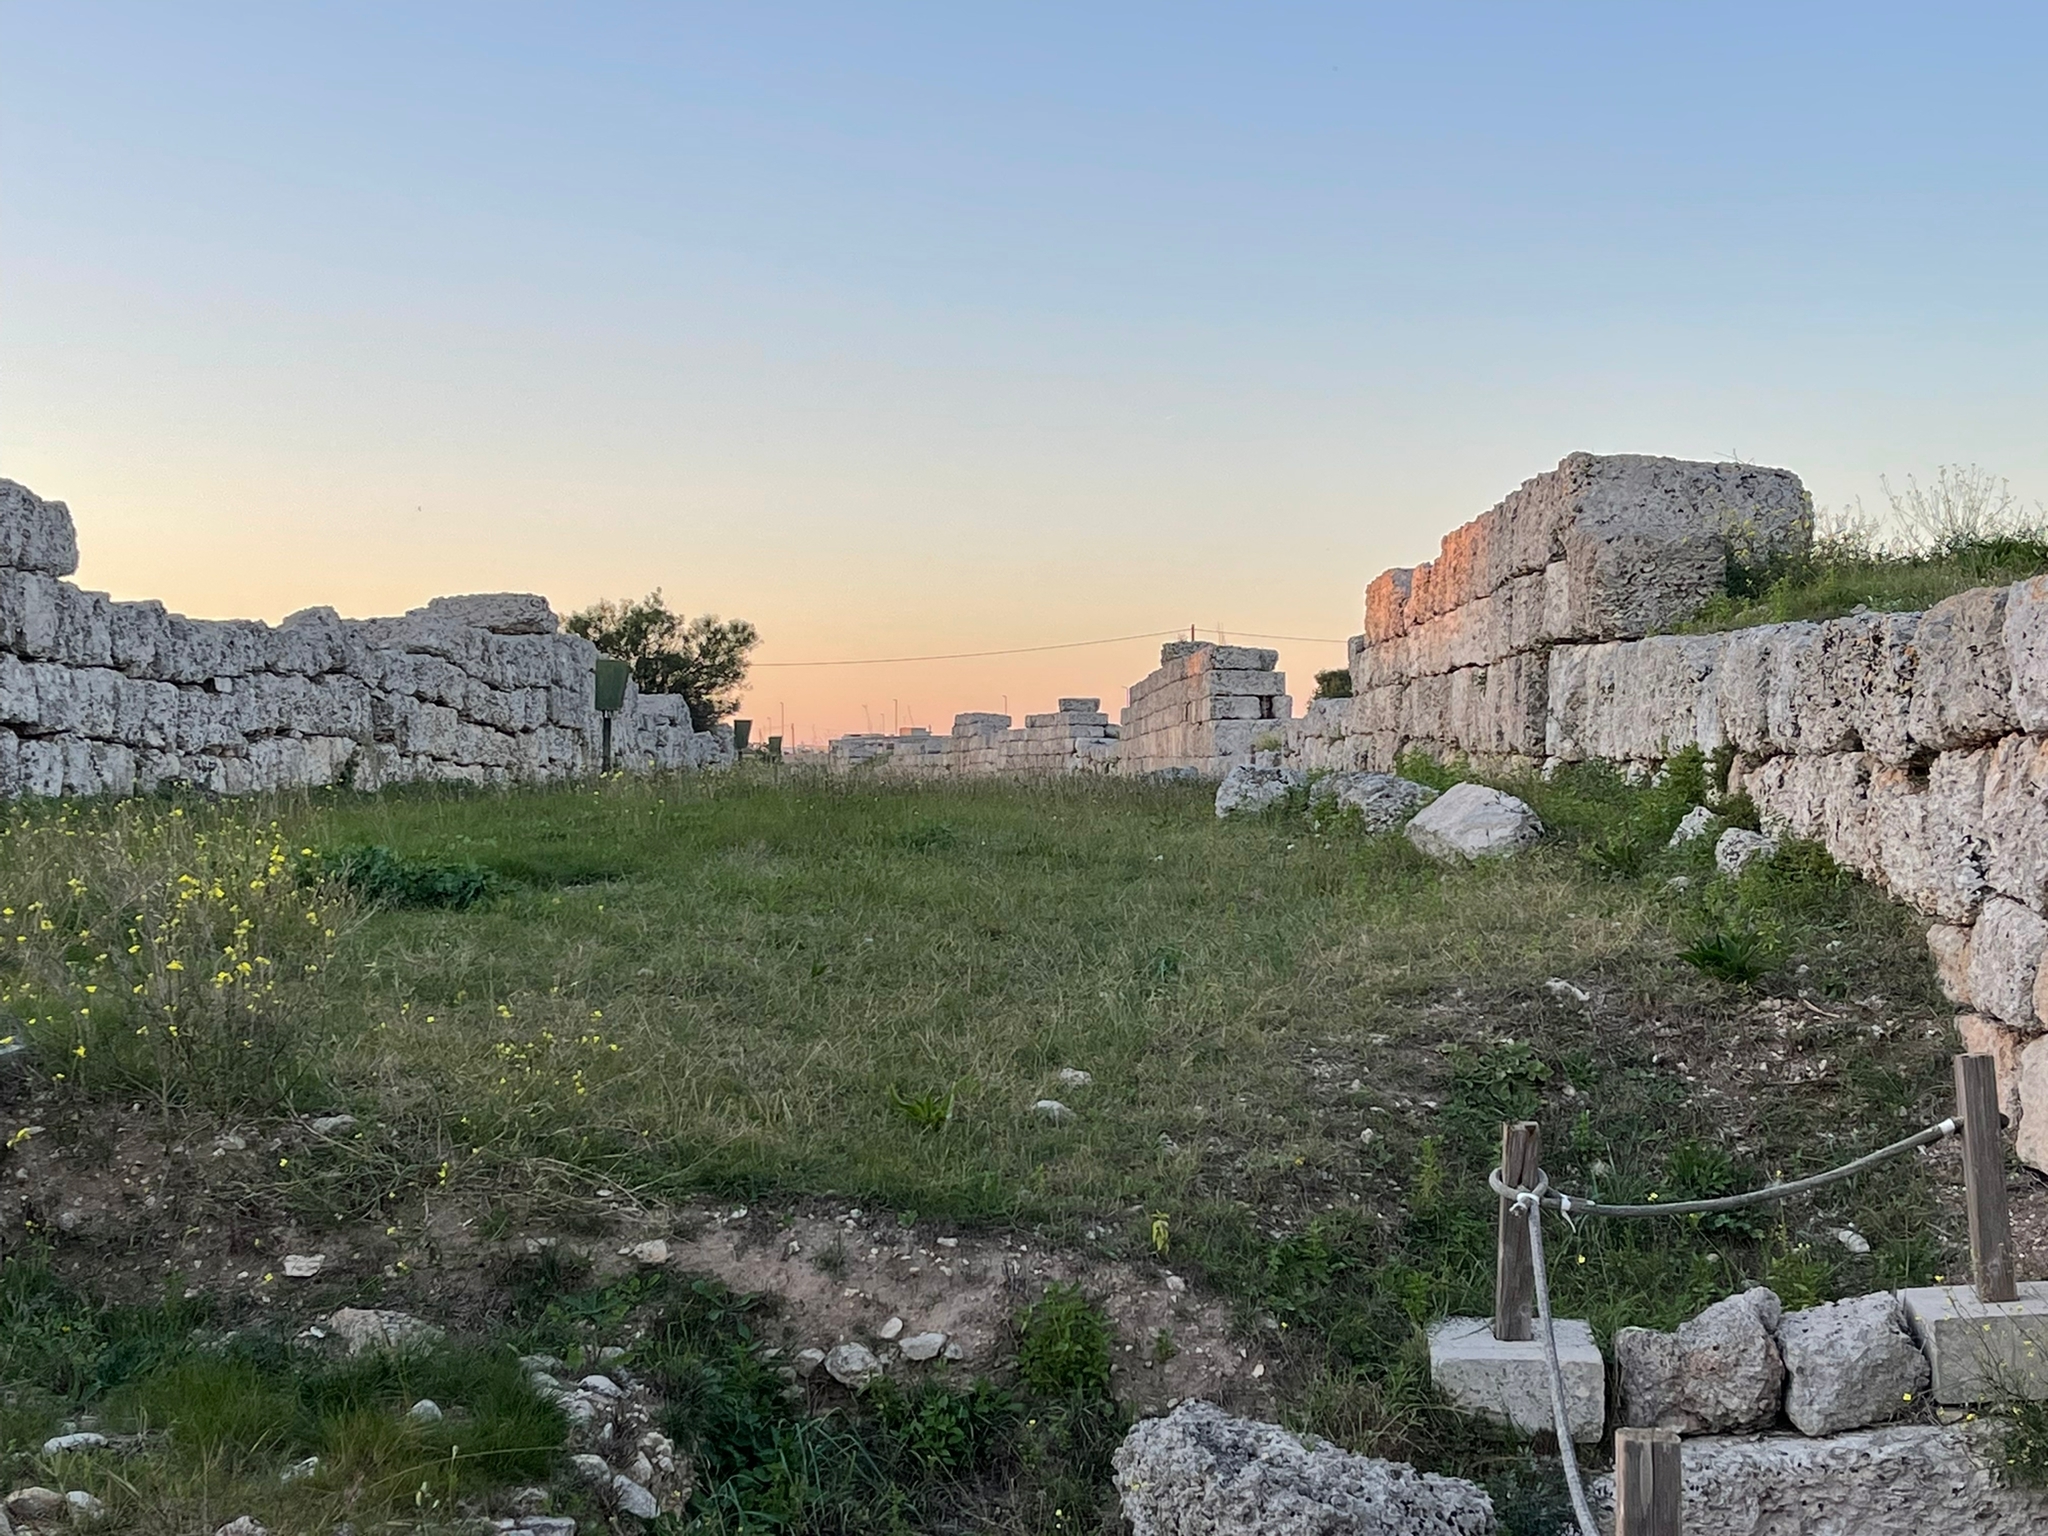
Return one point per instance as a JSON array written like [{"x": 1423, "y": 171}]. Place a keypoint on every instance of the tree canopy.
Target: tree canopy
[{"x": 704, "y": 659}]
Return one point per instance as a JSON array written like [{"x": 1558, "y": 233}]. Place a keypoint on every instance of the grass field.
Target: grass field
[{"x": 777, "y": 988}]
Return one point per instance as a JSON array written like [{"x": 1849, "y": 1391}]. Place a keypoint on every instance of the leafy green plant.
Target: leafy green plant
[
  {"x": 1730, "y": 954},
  {"x": 383, "y": 877},
  {"x": 1063, "y": 1345},
  {"x": 1334, "y": 684},
  {"x": 928, "y": 1111}
]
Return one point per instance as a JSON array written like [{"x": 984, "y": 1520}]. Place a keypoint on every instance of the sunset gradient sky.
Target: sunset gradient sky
[{"x": 904, "y": 330}]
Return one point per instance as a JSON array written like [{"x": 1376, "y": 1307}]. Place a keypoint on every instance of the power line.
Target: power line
[{"x": 1022, "y": 650}]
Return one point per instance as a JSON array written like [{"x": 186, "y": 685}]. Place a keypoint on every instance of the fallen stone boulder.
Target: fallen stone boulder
[
  {"x": 1738, "y": 848},
  {"x": 1696, "y": 823},
  {"x": 503, "y": 613},
  {"x": 1721, "y": 1371},
  {"x": 1246, "y": 790},
  {"x": 1201, "y": 1472},
  {"x": 1849, "y": 1364},
  {"x": 1383, "y": 801},
  {"x": 1905, "y": 1480},
  {"x": 1470, "y": 821},
  {"x": 369, "y": 1330}
]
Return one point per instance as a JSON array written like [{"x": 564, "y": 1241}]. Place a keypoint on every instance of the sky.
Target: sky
[{"x": 917, "y": 330}]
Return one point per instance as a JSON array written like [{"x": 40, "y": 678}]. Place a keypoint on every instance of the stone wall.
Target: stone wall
[
  {"x": 1075, "y": 738},
  {"x": 1203, "y": 709},
  {"x": 105, "y": 697},
  {"x": 1913, "y": 746},
  {"x": 1455, "y": 654}
]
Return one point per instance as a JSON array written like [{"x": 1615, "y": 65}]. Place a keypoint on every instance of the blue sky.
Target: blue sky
[{"x": 906, "y": 329}]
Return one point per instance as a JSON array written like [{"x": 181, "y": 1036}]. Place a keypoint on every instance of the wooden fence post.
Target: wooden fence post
[
  {"x": 1984, "y": 1179},
  {"x": 1514, "y": 1280},
  {"x": 1648, "y": 1483}
]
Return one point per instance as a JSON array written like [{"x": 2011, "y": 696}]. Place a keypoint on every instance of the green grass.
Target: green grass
[
  {"x": 1302, "y": 1039},
  {"x": 1840, "y": 577}
]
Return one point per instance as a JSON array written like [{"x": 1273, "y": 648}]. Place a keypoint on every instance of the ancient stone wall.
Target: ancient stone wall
[
  {"x": 1203, "y": 709},
  {"x": 1075, "y": 738},
  {"x": 105, "y": 697},
  {"x": 1455, "y": 654},
  {"x": 1913, "y": 746}
]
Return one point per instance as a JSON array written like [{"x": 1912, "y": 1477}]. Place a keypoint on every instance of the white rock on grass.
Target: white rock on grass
[
  {"x": 652, "y": 1253},
  {"x": 1383, "y": 800},
  {"x": 1074, "y": 1077},
  {"x": 923, "y": 1346},
  {"x": 852, "y": 1365},
  {"x": 331, "y": 1125},
  {"x": 1719, "y": 1372},
  {"x": 1245, "y": 790},
  {"x": 1470, "y": 821},
  {"x": 367, "y": 1330},
  {"x": 807, "y": 1361},
  {"x": 1053, "y": 1110},
  {"x": 1738, "y": 847},
  {"x": 1201, "y": 1472},
  {"x": 425, "y": 1411},
  {"x": 85, "y": 1440},
  {"x": 243, "y": 1525},
  {"x": 1849, "y": 1364},
  {"x": 303, "y": 1266},
  {"x": 633, "y": 1499},
  {"x": 890, "y": 1329},
  {"x": 592, "y": 1469},
  {"x": 299, "y": 1471},
  {"x": 1696, "y": 823},
  {"x": 36, "y": 1503},
  {"x": 83, "y": 1506}
]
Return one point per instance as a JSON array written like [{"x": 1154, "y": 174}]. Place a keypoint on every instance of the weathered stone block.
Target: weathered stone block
[
  {"x": 2003, "y": 1043},
  {"x": 1982, "y": 1351},
  {"x": 1509, "y": 1383},
  {"x": 2005, "y": 954},
  {"x": 1849, "y": 1364},
  {"x": 1962, "y": 686},
  {"x": 1950, "y": 945},
  {"x": 1906, "y": 1480},
  {"x": 1720, "y": 1371},
  {"x": 504, "y": 613},
  {"x": 1928, "y": 834},
  {"x": 1200, "y": 1472},
  {"x": 1471, "y": 821},
  {"x": 35, "y": 535},
  {"x": 2026, "y": 652},
  {"x": 2030, "y": 1087}
]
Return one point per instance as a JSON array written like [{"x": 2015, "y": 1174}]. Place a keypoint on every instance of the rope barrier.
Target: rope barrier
[
  {"x": 1532, "y": 1202},
  {"x": 1582, "y": 1205}
]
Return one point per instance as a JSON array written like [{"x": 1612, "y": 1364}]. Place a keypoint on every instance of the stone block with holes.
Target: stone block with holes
[
  {"x": 1509, "y": 1383},
  {"x": 1982, "y": 1351}
]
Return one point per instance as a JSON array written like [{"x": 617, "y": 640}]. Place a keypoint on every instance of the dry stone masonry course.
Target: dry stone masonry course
[{"x": 105, "y": 697}]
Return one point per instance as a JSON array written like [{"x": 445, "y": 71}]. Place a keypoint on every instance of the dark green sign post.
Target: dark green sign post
[{"x": 612, "y": 676}]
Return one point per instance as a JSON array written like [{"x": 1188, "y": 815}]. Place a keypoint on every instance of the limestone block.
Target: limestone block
[
  {"x": 1887, "y": 689},
  {"x": 2026, "y": 652},
  {"x": 504, "y": 613},
  {"x": 519, "y": 661},
  {"x": 84, "y": 636},
  {"x": 1824, "y": 799},
  {"x": 1963, "y": 686},
  {"x": 1240, "y": 682},
  {"x": 1737, "y": 848},
  {"x": 1903, "y": 1480},
  {"x": 1200, "y": 1472},
  {"x": 1754, "y": 686},
  {"x": 28, "y": 613},
  {"x": 1928, "y": 833},
  {"x": 314, "y": 641},
  {"x": 146, "y": 713},
  {"x": 1471, "y": 821},
  {"x": 2004, "y": 1044},
  {"x": 2015, "y": 820},
  {"x": 1982, "y": 1351},
  {"x": 1509, "y": 1383},
  {"x": 1849, "y": 1364},
  {"x": 441, "y": 682},
  {"x": 1720, "y": 1371},
  {"x": 134, "y": 631},
  {"x": 19, "y": 704},
  {"x": 1425, "y": 709},
  {"x": 35, "y": 535},
  {"x": 2030, "y": 1087},
  {"x": 1232, "y": 658},
  {"x": 1386, "y": 602},
  {"x": 1949, "y": 943},
  {"x": 10, "y": 765},
  {"x": 1632, "y": 700},
  {"x": 82, "y": 701},
  {"x": 2005, "y": 954},
  {"x": 1381, "y": 800}
]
